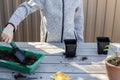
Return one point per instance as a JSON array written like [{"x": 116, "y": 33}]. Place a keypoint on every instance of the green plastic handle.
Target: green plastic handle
[
  {"x": 1, "y": 30},
  {"x": 12, "y": 42}
]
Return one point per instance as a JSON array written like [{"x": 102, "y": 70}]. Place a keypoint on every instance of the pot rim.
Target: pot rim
[{"x": 106, "y": 62}]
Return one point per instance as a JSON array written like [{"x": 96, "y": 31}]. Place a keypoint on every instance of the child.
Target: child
[{"x": 63, "y": 19}]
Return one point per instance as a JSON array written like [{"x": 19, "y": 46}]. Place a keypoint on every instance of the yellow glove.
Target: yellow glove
[
  {"x": 7, "y": 34},
  {"x": 61, "y": 76}
]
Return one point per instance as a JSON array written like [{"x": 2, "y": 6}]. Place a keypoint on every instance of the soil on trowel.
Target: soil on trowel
[
  {"x": 115, "y": 61},
  {"x": 8, "y": 56}
]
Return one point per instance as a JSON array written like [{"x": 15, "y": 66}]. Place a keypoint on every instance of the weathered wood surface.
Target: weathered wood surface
[{"x": 92, "y": 68}]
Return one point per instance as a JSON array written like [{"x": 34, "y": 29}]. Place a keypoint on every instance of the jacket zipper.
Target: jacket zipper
[{"x": 62, "y": 20}]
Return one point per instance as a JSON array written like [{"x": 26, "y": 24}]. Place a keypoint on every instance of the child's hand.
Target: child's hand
[{"x": 7, "y": 34}]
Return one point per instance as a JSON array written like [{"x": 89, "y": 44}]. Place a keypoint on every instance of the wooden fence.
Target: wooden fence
[{"x": 101, "y": 19}]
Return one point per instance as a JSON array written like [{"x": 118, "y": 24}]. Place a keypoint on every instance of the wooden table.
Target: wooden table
[{"x": 92, "y": 68}]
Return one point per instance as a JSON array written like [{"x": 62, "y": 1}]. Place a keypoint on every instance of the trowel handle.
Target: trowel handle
[
  {"x": 1, "y": 30},
  {"x": 12, "y": 42}
]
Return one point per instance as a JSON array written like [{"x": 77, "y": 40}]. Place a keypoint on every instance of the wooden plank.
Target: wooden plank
[
  {"x": 91, "y": 14},
  {"x": 61, "y": 51},
  {"x": 38, "y": 20},
  {"x": 35, "y": 24},
  {"x": 85, "y": 8},
  {"x": 2, "y": 14},
  {"x": 58, "y": 52},
  {"x": 109, "y": 19},
  {"x": 49, "y": 49},
  {"x": 79, "y": 59},
  {"x": 76, "y": 76},
  {"x": 72, "y": 67},
  {"x": 49, "y": 45},
  {"x": 40, "y": 45},
  {"x": 60, "y": 45},
  {"x": 46, "y": 76},
  {"x": 7, "y": 9},
  {"x": 100, "y": 18},
  {"x": 116, "y": 38},
  {"x": 6, "y": 75}
]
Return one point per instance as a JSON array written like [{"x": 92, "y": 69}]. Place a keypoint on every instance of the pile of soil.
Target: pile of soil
[
  {"x": 19, "y": 76},
  {"x": 8, "y": 56},
  {"x": 115, "y": 61}
]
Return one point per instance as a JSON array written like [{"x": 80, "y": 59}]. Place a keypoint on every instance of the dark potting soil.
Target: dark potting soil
[
  {"x": 19, "y": 76},
  {"x": 8, "y": 56},
  {"x": 84, "y": 58},
  {"x": 115, "y": 61}
]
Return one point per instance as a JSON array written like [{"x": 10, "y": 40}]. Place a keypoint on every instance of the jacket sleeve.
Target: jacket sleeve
[
  {"x": 79, "y": 23},
  {"x": 24, "y": 10}
]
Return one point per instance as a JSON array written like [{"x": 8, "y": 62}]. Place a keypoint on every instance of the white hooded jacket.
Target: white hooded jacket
[{"x": 64, "y": 18}]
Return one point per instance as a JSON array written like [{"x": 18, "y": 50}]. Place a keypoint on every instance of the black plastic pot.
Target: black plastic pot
[
  {"x": 103, "y": 45},
  {"x": 70, "y": 47}
]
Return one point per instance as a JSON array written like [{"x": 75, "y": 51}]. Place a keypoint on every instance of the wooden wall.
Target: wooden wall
[{"x": 101, "y": 19}]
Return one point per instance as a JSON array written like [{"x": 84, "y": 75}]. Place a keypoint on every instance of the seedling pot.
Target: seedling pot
[
  {"x": 70, "y": 47},
  {"x": 17, "y": 66},
  {"x": 113, "y": 71},
  {"x": 103, "y": 45}
]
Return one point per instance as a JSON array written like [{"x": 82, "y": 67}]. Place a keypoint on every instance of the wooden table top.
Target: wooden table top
[{"x": 92, "y": 68}]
